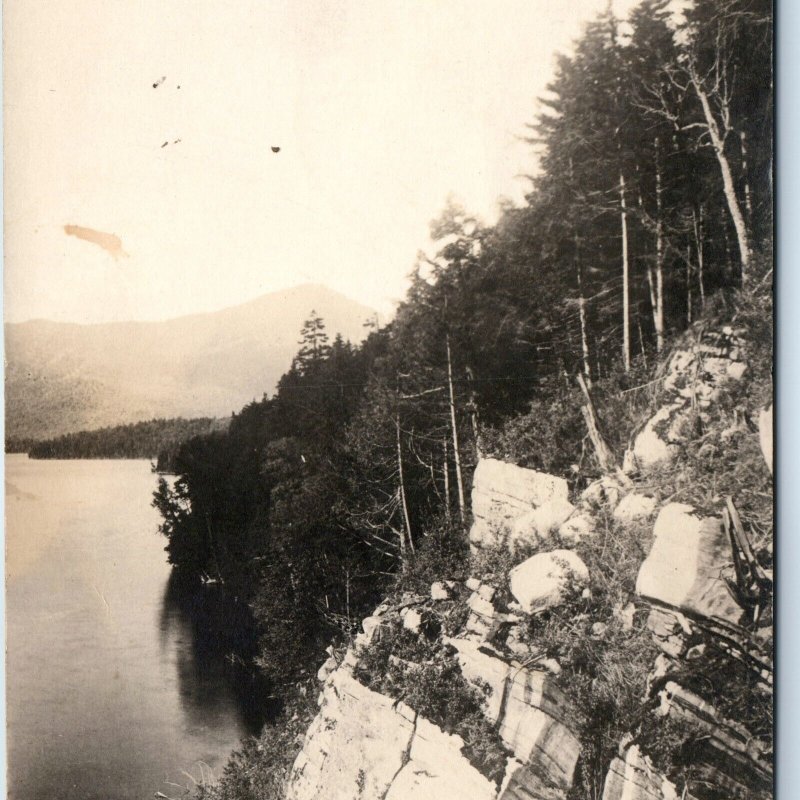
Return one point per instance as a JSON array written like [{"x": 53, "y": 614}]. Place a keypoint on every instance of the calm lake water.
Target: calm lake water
[{"x": 117, "y": 686}]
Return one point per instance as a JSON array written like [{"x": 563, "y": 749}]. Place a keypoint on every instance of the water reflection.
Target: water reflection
[
  {"x": 117, "y": 679},
  {"x": 209, "y": 636}
]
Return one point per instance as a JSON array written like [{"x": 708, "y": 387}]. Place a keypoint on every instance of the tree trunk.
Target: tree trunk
[
  {"x": 401, "y": 489},
  {"x": 651, "y": 285},
  {"x": 446, "y": 474},
  {"x": 697, "y": 220},
  {"x": 658, "y": 315},
  {"x": 689, "y": 309},
  {"x": 732, "y": 201},
  {"x": 454, "y": 427},
  {"x": 641, "y": 342},
  {"x": 605, "y": 456},
  {"x": 748, "y": 203},
  {"x": 473, "y": 411},
  {"x": 587, "y": 368},
  {"x": 626, "y": 333}
]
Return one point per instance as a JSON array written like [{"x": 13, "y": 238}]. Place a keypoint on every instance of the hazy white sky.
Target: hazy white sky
[{"x": 381, "y": 110}]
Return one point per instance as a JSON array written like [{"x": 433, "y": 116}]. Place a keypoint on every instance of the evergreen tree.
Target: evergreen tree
[{"x": 314, "y": 345}]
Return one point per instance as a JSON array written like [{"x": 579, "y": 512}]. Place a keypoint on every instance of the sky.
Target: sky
[{"x": 129, "y": 201}]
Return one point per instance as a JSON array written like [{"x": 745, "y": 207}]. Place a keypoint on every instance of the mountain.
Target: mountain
[{"x": 64, "y": 377}]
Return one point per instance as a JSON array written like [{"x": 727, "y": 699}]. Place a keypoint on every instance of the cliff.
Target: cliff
[{"x": 616, "y": 641}]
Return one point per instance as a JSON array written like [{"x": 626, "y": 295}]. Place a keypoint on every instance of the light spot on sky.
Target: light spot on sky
[{"x": 109, "y": 242}]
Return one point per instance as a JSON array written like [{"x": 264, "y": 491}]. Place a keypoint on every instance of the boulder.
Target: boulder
[
  {"x": 486, "y": 592},
  {"x": 480, "y": 605},
  {"x": 633, "y": 507},
  {"x": 484, "y": 620},
  {"x": 765, "y": 434},
  {"x": 690, "y": 565},
  {"x": 412, "y": 620},
  {"x": 501, "y": 493},
  {"x": 670, "y": 630},
  {"x": 577, "y": 528},
  {"x": 625, "y": 615},
  {"x": 652, "y": 447},
  {"x": 633, "y": 777},
  {"x": 370, "y": 626},
  {"x": 605, "y": 491},
  {"x": 540, "y": 524},
  {"x": 546, "y": 579},
  {"x": 442, "y": 590}
]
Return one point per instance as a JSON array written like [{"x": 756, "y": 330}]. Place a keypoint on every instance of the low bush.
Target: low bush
[
  {"x": 261, "y": 768},
  {"x": 442, "y": 554}
]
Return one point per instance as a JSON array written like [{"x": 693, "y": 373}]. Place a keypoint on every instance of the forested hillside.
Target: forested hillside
[
  {"x": 652, "y": 210},
  {"x": 66, "y": 377},
  {"x": 154, "y": 438}
]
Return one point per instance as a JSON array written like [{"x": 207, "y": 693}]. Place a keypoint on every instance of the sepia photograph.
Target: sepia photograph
[{"x": 389, "y": 399}]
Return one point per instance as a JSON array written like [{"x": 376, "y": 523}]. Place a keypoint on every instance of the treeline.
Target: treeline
[
  {"x": 654, "y": 195},
  {"x": 20, "y": 444},
  {"x": 155, "y": 438}
]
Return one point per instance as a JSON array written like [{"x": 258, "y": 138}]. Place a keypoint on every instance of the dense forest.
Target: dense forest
[
  {"x": 155, "y": 438},
  {"x": 652, "y": 206}
]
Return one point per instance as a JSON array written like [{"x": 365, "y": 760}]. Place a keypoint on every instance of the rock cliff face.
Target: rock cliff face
[
  {"x": 363, "y": 744},
  {"x": 698, "y": 588}
]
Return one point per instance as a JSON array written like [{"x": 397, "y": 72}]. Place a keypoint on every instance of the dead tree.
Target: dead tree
[{"x": 605, "y": 455}]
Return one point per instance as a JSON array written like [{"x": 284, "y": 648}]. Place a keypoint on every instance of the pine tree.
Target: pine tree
[{"x": 314, "y": 345}]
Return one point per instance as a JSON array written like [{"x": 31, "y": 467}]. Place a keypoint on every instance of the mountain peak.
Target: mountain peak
[{"x": 63, "y": 377}]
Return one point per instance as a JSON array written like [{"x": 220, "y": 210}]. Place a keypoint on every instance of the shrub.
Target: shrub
[
  {"x": 443, "y": 554},
  {"x": 261, "y": 768}
]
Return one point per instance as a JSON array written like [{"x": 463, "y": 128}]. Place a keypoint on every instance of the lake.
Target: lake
[{"x": 117, "y": 684}]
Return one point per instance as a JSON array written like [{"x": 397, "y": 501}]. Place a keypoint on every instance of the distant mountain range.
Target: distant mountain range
[{"x": 65, "y": 377}]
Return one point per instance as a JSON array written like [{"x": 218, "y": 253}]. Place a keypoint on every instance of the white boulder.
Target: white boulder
[
  {"x": 502, "y": 493},
  {"x": 652, "y": 447},
  {"x": 370, "y": 626},
  {"x": 412, "y": 620},
  {"x": 442, "y": 590},
  {"x": 577, "y": 528},
  {"x": 633, "y": 507},
  {"x": 546, "y": 579},
  {"x": 688, "y": 565}
]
